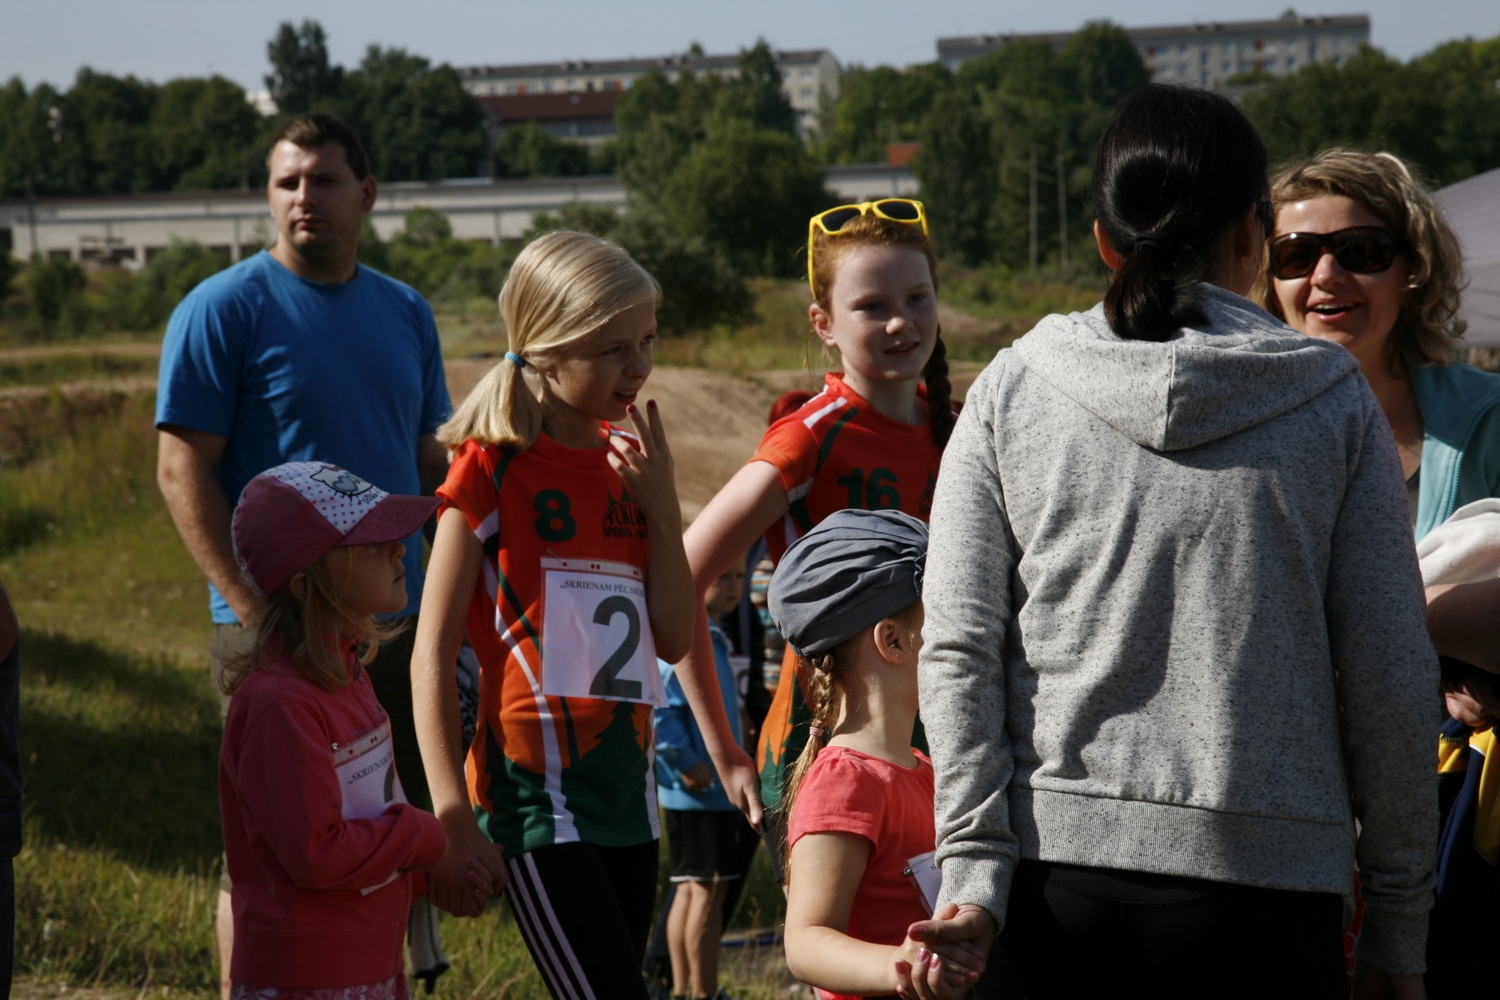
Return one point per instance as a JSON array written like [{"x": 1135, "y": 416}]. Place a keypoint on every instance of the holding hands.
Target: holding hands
[{"x": 943, "y": 957}]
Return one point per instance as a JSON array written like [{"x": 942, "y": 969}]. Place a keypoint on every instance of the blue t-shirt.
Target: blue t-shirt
[
  {"x": 292, "y": 370},
  {"x": 679, "y": 742}
]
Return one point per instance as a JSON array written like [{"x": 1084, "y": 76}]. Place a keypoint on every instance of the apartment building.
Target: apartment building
[
  {"x": 1208, "y": 53},
  {"x": 807, "y": 76}
]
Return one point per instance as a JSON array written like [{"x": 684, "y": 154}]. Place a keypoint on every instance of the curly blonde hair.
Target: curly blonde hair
[{"x": 1393, "y": 191}]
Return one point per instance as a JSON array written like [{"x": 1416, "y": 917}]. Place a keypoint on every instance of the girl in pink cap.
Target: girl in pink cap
[{"x": 319, "y": 838}]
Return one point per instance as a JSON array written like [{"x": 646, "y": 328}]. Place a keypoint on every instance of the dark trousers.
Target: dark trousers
[
  {"x": 390, "y": 676},
  {"x": 7, "y": 924},
  {"x": 584, "y": 912},
  {"x": 658, "y": 963},
  {"x": 1092, "y": 932}
]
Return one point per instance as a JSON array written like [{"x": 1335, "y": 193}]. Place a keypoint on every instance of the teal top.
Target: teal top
[{"x": 1460, "y": 440}]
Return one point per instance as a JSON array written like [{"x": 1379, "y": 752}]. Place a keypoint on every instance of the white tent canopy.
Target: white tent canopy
[{"x": 1472, "y": 208}]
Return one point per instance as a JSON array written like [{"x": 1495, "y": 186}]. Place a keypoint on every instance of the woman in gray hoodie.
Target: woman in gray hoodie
[{"x": 1176, "y": 678}]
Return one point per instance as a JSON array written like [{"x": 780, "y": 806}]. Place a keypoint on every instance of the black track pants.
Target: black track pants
[{"x": 584, "y": 912}]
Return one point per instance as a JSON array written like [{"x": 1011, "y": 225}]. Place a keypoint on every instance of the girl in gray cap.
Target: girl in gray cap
[{"x": 848, "y": 598}]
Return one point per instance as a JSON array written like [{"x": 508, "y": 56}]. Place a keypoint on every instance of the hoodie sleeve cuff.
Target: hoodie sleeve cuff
[
  {"x": 982, "y": 881},
  {"x": 1395, "y": 943}
]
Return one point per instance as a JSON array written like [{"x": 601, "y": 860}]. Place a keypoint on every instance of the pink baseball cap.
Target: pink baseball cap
[{"x": 290, "y": 515}]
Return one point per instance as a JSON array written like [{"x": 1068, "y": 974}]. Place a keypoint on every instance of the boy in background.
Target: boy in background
[{"x": 706, "y": 834}]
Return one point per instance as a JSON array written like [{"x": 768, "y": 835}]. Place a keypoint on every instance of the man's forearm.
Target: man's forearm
[{"x": 203, "y": 517}]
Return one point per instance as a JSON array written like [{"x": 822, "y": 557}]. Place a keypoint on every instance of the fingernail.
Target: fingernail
[
  {"x": 922, "y": 955},
  {"x": 630, "y": 408}
]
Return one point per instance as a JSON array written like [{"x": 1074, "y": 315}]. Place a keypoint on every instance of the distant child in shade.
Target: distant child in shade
[
  {"x": 708, "y": 841},
  {"x": 859, "y": 805},
  {"x": 318, "y": 836}
]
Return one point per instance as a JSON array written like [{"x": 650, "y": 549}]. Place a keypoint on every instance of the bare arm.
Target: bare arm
[
  {"x": 185, "y": 463},
  {"x": 826, "y": 869},
  {"x": 739, "y": 514},
  {"x": 452, "y": 574},
  {"x": 1461, "y": 622}
]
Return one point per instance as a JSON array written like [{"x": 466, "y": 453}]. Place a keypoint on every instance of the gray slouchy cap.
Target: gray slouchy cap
[{"x": 852, "y": 570}]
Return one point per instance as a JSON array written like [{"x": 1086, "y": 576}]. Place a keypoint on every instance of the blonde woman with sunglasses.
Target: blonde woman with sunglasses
[
  {"x": 1361, "y": 256},
  {"x": 872, "y": 439}
]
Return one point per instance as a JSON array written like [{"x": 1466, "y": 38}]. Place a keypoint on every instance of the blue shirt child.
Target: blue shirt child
[{"x": 679, "y": 743}]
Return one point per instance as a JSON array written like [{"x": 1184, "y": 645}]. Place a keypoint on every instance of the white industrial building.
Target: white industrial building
[
  {"x": 129, "y": 229},
  {"x": 1208, "y": 53}
]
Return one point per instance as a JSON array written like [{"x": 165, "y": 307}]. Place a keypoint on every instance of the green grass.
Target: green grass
[
  {"x": 73, "y": 366},
  {"x": 118, "y": 879}
]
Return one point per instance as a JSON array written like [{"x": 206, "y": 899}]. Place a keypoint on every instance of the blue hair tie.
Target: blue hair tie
[{"x": 520, "y": 362}]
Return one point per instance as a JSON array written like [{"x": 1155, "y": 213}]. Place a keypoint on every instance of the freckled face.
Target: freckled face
[
  {"x": 884, "y": 318},
  {"x": 1357, "y": 311}
]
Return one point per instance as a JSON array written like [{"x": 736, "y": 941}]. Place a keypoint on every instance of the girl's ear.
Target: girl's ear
[
  {"x": 890, "y": 641},
  {"x": 822, "y": 323},
  {"x": 298, "y": 584}
]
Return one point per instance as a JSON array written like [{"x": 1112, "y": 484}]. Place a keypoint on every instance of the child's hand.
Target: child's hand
[
  {"x": 487, "y": 873},
  {"x": 1473, "y": 702},
  {"x": 648, "y": 470},
  {"x": 699, "y": 776},
  {"x": 944, "y": 956},
  {"x": 924, "y": 975}
]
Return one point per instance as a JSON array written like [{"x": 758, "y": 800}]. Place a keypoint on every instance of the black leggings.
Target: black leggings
[
  {"x": 1094, "y": 932},
  {"x": 584, "y": 912}
]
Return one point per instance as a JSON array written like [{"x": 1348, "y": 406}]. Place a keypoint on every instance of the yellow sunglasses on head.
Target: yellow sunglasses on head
[{"x": 905, "y": 210}]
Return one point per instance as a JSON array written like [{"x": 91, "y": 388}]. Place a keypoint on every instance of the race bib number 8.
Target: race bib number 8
[{"x": 596, "y": 633}]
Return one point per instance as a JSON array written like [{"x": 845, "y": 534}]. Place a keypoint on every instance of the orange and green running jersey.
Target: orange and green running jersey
[
  {"x": 834, "y": 453},
  {"x": 565, "y": 554}
]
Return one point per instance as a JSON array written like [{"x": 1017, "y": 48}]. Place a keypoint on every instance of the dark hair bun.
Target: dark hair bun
[{"x": 1176, "y": 167}]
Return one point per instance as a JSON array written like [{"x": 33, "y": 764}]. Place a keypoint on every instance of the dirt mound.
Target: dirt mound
[{"x": 713, "y": 422}]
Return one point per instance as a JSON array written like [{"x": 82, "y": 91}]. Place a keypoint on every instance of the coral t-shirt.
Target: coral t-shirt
[
  {"x": 554, "y": 762},
  {"x": 834, "y": 452},
  {"x": 846, "y": 791}
]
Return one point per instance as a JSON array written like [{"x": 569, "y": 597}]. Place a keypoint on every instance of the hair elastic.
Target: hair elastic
[
  {"x": 512, "y": 356},
  {"x": 815, "y": 731},
  {"x": 1146, "y": 240}
]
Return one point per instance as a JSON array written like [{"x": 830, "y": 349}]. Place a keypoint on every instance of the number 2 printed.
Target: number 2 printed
[{"x": 606, "y": 682}]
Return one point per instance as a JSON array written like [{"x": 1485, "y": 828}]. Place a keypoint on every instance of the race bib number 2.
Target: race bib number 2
[{"x": 596, "y": 633}]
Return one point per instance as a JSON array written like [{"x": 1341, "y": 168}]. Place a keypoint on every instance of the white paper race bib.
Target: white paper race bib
[
  {"x": 366, "y": 771},
  {"x": 596, "y": 633},
  {"x": 924, "y": 871}
]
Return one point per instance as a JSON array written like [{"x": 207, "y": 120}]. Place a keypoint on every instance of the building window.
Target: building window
[
  {"x": 807, "y": 93},
  {"x": 807, "y": 74}
]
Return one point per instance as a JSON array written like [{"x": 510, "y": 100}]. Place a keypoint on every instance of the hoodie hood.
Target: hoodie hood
[{"x": 1246, "y": 367}]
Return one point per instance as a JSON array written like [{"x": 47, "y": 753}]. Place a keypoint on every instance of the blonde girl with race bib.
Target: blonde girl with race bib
[
  {"x": 559, "y": 551},
  {"x": 872, "y": 439},
  {"x": 318, "y": 836}
]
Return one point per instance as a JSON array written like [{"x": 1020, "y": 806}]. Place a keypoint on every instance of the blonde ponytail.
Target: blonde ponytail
[{"x": 562, "y": 288}]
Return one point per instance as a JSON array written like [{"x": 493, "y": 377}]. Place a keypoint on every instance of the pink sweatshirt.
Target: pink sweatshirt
[{"x": 300, "y": 919}]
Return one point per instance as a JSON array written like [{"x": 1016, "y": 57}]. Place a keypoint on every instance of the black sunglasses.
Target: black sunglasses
[{"x": 1359, "y": 250}]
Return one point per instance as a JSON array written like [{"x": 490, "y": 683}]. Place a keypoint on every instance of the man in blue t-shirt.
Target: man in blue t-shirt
[{"x": 298, "y": 354}]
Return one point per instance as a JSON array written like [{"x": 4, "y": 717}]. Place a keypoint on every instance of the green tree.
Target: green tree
[
  {"x": 52, "y": 285},
  {"x": 958, "y": 177},
  {"x": 301, "y": 77},
  {"x": 748, "y": 191},
  {"x": 426, "y": 256},
  {"x": 417, "y": 120},
  {"x": 879, "y": 106},
  {"x": 755, "y": 93},
  {"x": 528, "y": 150},
  {"x": 202, "y": 134},
  {"x": 9, "y": 268}
]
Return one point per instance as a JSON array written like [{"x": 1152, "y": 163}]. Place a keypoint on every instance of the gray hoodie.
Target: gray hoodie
[{"x": 1175, "y": 624}]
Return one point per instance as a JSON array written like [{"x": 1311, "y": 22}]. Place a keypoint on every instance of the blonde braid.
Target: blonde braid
[{"x": 823, "y": 673}]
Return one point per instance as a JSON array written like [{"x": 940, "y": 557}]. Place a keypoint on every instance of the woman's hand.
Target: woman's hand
[
  {"x": 452, "y": 884},
  {"x": 648, "y": 471},
  {"x": 941, "y": 972}
]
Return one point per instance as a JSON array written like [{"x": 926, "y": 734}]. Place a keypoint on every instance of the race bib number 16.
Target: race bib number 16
[{"x": 596, "y": 633}]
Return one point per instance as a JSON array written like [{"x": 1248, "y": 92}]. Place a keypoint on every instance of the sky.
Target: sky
[{"x": 48, "y": 40}]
